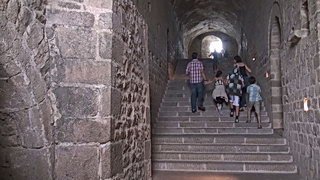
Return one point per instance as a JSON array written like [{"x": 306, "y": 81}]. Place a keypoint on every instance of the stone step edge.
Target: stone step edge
[
  {"x": 224, "y": 116},
  {"x": 155, "y": 127},
  {"x": 195, "y": 144},
  {"x": 224, "y": 153},
  {"x": 218, "y": 144},
  {"x": 214, "y": 153},
  {"x": 221, "y": 161},
  {"x": 157, "y": 133},
  {"x": 230, "y": 171}
]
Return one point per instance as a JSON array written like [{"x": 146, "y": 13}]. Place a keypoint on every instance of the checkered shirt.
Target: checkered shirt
[
  {"x": 194, "y": 69},
  {"x": 254, "y": 93}
]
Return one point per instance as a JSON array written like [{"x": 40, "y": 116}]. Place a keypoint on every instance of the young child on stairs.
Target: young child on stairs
[
  {"x": 254, "y": 100},
  {"x": 219, "y": 94}
]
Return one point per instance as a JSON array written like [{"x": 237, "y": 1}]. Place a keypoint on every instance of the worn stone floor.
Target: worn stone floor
[{"x": 206, "y": 176}]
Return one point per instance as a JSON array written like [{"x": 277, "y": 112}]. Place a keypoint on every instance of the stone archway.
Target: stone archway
[{"x": 275, "y": 68}]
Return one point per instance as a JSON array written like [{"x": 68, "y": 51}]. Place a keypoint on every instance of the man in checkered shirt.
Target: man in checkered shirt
[{"x": 195, "y": 71}]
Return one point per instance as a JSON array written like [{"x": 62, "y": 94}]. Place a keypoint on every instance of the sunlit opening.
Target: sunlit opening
[
  {"x": 216, "y": 45},
  {"x": 212, "y": 47}
]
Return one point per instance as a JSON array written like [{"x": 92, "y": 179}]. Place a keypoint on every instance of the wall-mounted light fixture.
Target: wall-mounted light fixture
[
  {"x": 306, "y": 104},
  {"x": 254, "y": 59},
  {"x": 267, "y": 75}
]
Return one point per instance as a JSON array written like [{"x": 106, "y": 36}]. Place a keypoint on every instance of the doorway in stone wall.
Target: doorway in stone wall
[{"x": 275, "y": 73}]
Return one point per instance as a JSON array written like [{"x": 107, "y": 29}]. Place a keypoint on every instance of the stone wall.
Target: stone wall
[
  {"x": 132, "y": 120},
  {"x": 80, "y": 35},
  {"x": 300, "y": 77},
  {"x": 165, "y": 46},
  {"x": 25, "y": 107}
]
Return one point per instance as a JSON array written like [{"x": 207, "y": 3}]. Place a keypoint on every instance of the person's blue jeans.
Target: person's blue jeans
[{"x": 196, "y": 95}]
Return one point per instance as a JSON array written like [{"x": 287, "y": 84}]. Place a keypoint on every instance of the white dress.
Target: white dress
[{"x": 219, "y": 90}]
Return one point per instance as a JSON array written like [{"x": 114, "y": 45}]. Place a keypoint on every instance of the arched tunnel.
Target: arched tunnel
[{"x": 99, "y": 89}]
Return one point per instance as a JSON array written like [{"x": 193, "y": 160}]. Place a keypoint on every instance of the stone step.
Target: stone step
[
  {"x": 220, "y": 157},
  {"x": 203, "y": 131},
  {"x": 200, "y": 148},
  {"x": 209, "y": 110},
  {"x": 208, "y": 124},
  {"x": 225, "y": 167},
  {"x": 173, "y": 117},
  {"x": 220, "y": 140}
]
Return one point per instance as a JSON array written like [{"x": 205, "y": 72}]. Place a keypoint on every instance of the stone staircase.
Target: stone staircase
[{"x": 211, "y": 142}]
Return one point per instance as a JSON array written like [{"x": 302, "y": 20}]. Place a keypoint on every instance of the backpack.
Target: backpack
[{"x": 234, "y": 83}]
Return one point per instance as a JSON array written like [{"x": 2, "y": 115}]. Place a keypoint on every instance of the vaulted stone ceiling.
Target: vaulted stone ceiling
[{"x": 202, "y": 16}]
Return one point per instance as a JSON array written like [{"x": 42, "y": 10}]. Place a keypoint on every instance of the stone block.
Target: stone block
[
  {"x": 77, "y": 102},
  {"x": 224, "y": 167},
  {"x": 74, "y": 71},
  {"x": 187, "y": 114},
  {"x": 166, "y": 125},
  {"x": 46, "y": 116},
  {"x": 191, "y": 124},
  {"x": 159, "y": 156},
  {"x": 205, "y": 119},
  {"x": 76, "y": 42},
  {"x": 177, "y": 109},
  {"x": 316, "y": 62},
  {"x": 105, "y": 21},
  {"x": 147, "y": 149},
  {"x": 70, "y": 18},
  {"x": 111, "y": 160},
  {"x": 229, "y": 140},
  {"x": 38, "y": 85},
  {"x": 289, "y": 168},
  {"x": 103, "y": 4},
  {"x": 111, "y": 102},
  {"x": 198, "y": 140},
  {"x": 168, "y": 114},
  {"x": 185, "y": 166},
  {"x": 283, "y": 149},
  {"x": 30, "y": 125},
  {"x": 69, "y": 5},
  {"x": 158, "y": 140},
  {"x": 76, "y": 162},
  {"x": 13, "y": 95},
  {"x": 117, "y": 50},
  {"x": 36, "y": 35},
  {"x": 84, "y": 130},
  {"x": 267, "y": 141},
  {"x": 24, "y": 19},
  {"x": 26, "y": 164},
  {"x": 105, "y": 45}
]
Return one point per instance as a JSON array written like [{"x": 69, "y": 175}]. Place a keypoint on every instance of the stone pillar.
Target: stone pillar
[
  {"x": 100, "y": 80},
  {"x": 80, "y": 37}
]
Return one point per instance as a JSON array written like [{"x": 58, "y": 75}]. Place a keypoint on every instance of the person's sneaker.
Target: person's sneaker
[
  {"x": 202, "y": 108},
  {"x": 231, "y": 114},
  {"x": 194, "y": 111},
  {"x": 259, "y": 126},
  {"x": 248, "y": 121},
  {"x": 237, "y": 119}
]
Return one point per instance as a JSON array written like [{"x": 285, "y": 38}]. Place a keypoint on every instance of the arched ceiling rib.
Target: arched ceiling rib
[{"x": 202, "y": 16}]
